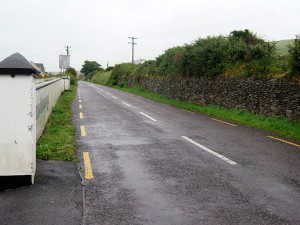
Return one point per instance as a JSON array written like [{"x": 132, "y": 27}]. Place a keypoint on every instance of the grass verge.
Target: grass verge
[
  {"x": 57, "y": 141},
  {"x": 282, "y": 127}
]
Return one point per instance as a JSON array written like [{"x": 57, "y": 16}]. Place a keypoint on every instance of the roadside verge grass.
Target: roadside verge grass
[
  {"x": 57, "y": 140},
  {"x": 283, "y": 127}
]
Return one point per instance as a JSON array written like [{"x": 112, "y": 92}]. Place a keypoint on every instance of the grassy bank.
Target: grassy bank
[
  {"x": 102, "y": 78},
  {"x": 282, "y": 127},
  {"x": 57, "y": 141}
]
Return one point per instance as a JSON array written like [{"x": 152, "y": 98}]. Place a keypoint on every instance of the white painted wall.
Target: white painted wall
[
  {"x": 20, "y": 125},
  {"x": 17, "y": 125}
]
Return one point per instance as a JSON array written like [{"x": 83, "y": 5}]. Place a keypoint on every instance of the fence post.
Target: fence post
[{"x": 18, "y": 117}]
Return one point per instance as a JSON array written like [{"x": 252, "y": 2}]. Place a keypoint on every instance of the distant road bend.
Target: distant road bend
[{"x": 149, "y": 163}]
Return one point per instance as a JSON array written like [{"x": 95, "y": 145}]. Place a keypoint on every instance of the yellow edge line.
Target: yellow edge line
[
  {"x": 82, "y": 129},
  {"x": 87, "y": 166},
  {"x": 80, "y": 115},
  {"x": 187, "y": 111},
  {"x": 221, "y": 121},
  {"x": 287, "y": 142}
]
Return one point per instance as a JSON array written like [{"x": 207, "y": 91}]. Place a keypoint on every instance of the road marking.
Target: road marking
[
  {"x": 209, "y": 151},
  {"x": 221, "y": 121},
  {"x": 126, "y": 104},
  {"x": 149, "y": 117},
  {"x": 114, "y": 97},
  {"x": 287, "y": 142},
  {"x": 82, "y": 129},
  {"x": 187, "y": 111},
  {"x": 107, "y": 93},
  {"x": 79, "y": 100},
  {"x": 87, "y": 166},
  {"x": 80, "y": 115},
  {"x": 79, "y": 97},
  {"x": 80, "y": 106}
]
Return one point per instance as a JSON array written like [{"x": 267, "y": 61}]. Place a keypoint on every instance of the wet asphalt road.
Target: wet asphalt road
[{"x": 157, "y": 172}]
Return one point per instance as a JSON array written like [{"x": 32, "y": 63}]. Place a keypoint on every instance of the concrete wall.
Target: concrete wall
[{"x": 47, "y": 94}]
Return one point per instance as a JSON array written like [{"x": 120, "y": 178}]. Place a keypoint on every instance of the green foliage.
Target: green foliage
[
  {"x": 91, "y": 74},
  {"x": 170, "y": 63},
  {"x": 73, "y": 75},
  {"x": 109, "y": 68},
  {"x": 121, "y": 72},
  {"x": 240, "y": 54},
  {"x": 71, "y": 70},
  {"x": 214, "y": 56},
  {"x": 90, "y": 66},
  {"x": 294, "y": 56},
  {"x": 102, "y": 78},
  {"x": 73, "y": 80},
  {"x": 205, "y": 57}
]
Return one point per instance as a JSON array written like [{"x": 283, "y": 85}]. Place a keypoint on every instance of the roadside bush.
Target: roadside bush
[
  {"x": 240, "y": 54},
  {"x": 205, "y": 57},
  {"x": 213, "y": 56},
  {"x": 170, "y": 63},
  {"x": 71, "y": 70},
  {"x": 121, "y": 72},
  {"x": 73, "y": 80},
  {"x": 294, "y": 57}
]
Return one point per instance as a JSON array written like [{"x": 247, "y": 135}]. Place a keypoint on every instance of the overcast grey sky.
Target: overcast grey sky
[{"x": 99, "y": 30}]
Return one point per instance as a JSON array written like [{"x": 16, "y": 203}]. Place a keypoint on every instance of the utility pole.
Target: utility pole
[
  {"x": 67, "y": 49},
  {"x": 132, "y": 43}
]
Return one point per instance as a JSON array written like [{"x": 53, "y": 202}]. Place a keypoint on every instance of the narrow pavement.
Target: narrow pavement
[{"x": 149, "y": 163}]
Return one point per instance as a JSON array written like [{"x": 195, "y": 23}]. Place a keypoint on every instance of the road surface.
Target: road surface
[{"x": 144, "y": 162}]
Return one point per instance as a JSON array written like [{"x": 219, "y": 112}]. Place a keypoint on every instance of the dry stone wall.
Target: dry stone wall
[{"x": 275, "y": 97}]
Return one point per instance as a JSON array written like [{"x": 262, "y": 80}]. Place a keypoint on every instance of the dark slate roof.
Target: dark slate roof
[
  {"x": 40, "y": 66},
  {"x": 16, "y": 64}
]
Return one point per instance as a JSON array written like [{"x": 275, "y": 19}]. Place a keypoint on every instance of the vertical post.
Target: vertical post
[
  {"x": 18, "y": 117},
  {"x": 132, "y": 48}
]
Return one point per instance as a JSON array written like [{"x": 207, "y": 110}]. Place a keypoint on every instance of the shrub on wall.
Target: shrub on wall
[
  {"x": 240, "y": 54},
  {"x": 121, "y": 72},
  {"x": 294, "y": 57},
  {"x": 213, "y": 56}
]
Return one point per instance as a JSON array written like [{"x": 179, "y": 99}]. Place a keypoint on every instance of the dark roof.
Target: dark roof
[
  {"x": 40, "y": 66},
  {"x": 16, "y": 64}
]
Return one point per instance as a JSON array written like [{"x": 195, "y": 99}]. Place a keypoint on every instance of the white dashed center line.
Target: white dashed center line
[
  {"x": 149, "y": 117},
  {"x": 125, "y": 103},
  {"x": 209, "y": 151},
  {"x": 114, "y": 97}
]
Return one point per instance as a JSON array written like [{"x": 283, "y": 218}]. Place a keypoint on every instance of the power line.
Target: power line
[{"x": 132, "y": 48}]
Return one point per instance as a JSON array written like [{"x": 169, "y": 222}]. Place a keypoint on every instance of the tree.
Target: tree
[
  {"x": 71, "y": 70},
  {"x": 73, "y": 75},
  {"x": 90, "y": 66}
]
